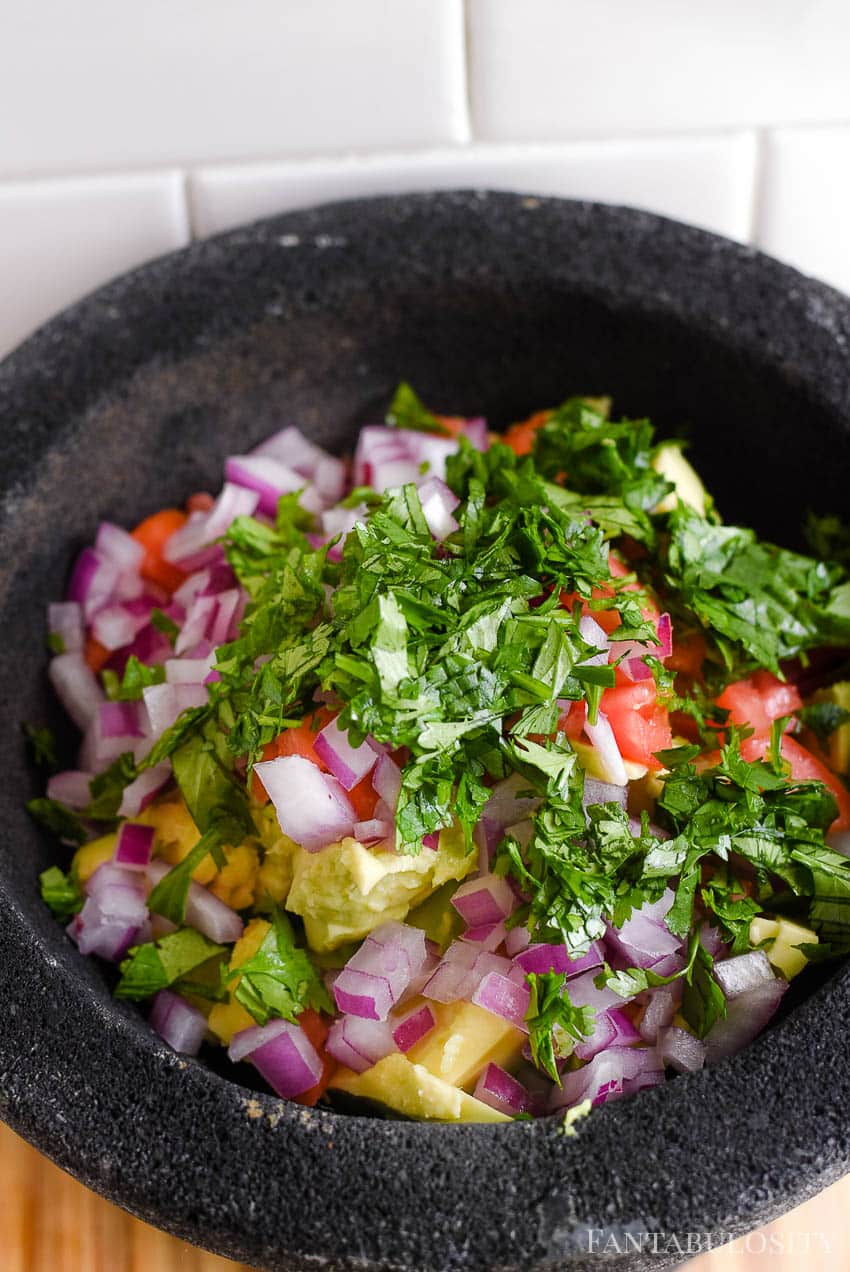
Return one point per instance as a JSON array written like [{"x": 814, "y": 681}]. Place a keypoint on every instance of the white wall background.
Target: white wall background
[{"x": 127, "y": 128}]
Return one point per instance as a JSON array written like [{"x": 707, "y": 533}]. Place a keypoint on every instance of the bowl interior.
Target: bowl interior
[{"x": 493, "y": 305}]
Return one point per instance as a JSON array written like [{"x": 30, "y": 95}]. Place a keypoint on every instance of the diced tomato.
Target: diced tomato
[
  {"x": 317, "y": 1032},
  {"x": 152, "y": 534},
  {"x": 201, "y": 501},
  {"x": 688, "y": 655},
  {"x": 453, "y": 424},
  {"x": 364, "y": 798},
  {"x": 609, "y": 619},
  {"x": 520, "y": 437},
  {"x": 641, "y": 725},
  {"x": 804, "y": 768},
  {"x": 758, "y": 700},
  {"x": 96, "y": 655},
  {"x": 572, "y": 722},
  {"x": 296, "y": 741}
]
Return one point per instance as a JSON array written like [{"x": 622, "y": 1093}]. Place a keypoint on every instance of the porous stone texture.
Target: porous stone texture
[{"x": 130, "y": 400}]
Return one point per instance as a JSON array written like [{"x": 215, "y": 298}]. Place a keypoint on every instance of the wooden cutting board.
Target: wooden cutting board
[{"x": 50, "y": 1223}]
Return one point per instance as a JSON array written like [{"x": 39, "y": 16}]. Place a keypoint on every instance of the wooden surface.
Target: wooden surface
[{"x": 50, "y": 1223}]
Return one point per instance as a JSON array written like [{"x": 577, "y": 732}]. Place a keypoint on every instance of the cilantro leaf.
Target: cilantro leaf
[
  {"x": 58, "y": 819},
  {"x": 550, "y": 1012},
  {"x": 62, "y": 892},
  {"x": 407, "y": 411},
  {"x": 137, "y": 676},
  {"x": 158, "y": 964},
  {"x": 42, "y": 745},
  {"x": 280, "y": 979}
]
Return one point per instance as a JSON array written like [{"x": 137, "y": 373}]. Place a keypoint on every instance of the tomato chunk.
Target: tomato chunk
[
  {"x": 317, "y": 1032},
  {"x": 805, "y": 767},
  {"x": 758, "y": 700},
  {"x": 152, "y": 534},
  {"x": 640, "y": 723}
]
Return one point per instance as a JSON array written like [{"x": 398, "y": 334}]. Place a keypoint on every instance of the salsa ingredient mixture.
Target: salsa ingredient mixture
[{"x": 480, "y": 777}]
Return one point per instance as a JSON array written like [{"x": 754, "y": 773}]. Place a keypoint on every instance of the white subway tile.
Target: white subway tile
[
  {"x": 111, "y": 84},
  {"x": 545, "y": 69},
  {"x": 804, "y": 197},
  {"x": 60, "y": 239},
  {"x": 707, "y": 181}
]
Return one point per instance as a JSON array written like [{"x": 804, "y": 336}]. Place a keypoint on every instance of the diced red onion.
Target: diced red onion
[
  {"x": 500, "y": 1091},
  {"x": 662, "y": 1006},
  {"x": 204, "y": 911},
  {"x": 120, "y": 720},
  {"x": 282, "y": 1053},
  {"x": 76, "y": 687},
  {"x": 503, "y": 998},
  {"x": 737, "y": 975},
  {"x": 516, "y": 940},
  {"x": 134, "y": 846},
  {"x": 229, "y": 608},
  {"x": 369, "y": 832},
  {"x": 611, "y": 1073},
  {"x": 431, "y": 841},
  {"x": 746, "y": 1015},
  {"x": 188, "y": 671},
  {"x": 611, "y": 1028},
  {"x": 311, "y": 806},
  {"x": 642, "y": 940},
  {"x": 413, "y": 1027},
  {"x": 584, "y": 993},
  {"x": 508, "y": 802},
  {"x": 489, "y": 936},
  {"x": 596, "y": 792},
  {"x": 113, "y": 913},
  {"x": 65, "y": 623},
  {"x": 375, "y": 977},
  {"x": 267, "y": 476},
  {"x": 594, "y": 635},
  {"x": 203, "y": 528},
  {"x": 475, "y": 429},
  {"x": 711, "y": 941},
  {"x": 604, "y": 743},
  {"x": 386, "y": 780},
  {"x": 330, "y": 479},
  {"x": 93, "y": 581},
  {"x": 556, "y": 958},
  {"x": 178, "y": 1023},
  {"x": 341, "y": 521},
  {"x": 290, "y": 446},
  {"x": 71, "y": 788},
  {"x": 200, "y": 618},
  {"x": 487, "y": 899},
  {"x": 165, "y": 703},
  {"x": 359, "y": 1043},
  {"x": 349, "y": 764},
  {"x": 144, "y": 788},
  {"x": 118, "y": 546},
  {"x": 438, "y": 503},
  {"x": 681, "y": 1050},
  {"x": 664, "y": 631},
  {"x": 455, "y": 976}
]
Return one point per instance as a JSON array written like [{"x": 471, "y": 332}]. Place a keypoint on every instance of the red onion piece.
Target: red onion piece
[
  {"x": 596, "y": 792},
  {"x": 438, "y": 503},
  {"x": 499, "y": 1090},
  {"x": 369, "y": 832},
  {"x": 643, "y": 940},
  {"x": 165, "y": 703},
  {"x": 411, "y": 1028},
  {"x": 93, "y": 581},
  {"x": 120, "y": 720},
  {"x": 178, "y": 1023},
  {"x": 330, "y": 479},
  {"x": 489, "y": 936},
  {"x": 311, "y": 806},
  {"x": 604, "y": 743},
  {"x": 76, "y": 687},
  {"x": 594, "y": 635},
  {"x": 681, "y": 1050},
  {"x": 203, "y": 528},
  {"x": 475, "y": 429},
  {"x": 510, "y": 801},
  {"x": 659, "y": 1011},
  {"x": 290, "y": 446},
  {"x": 584, "y": 993},
  {"x": 267, "y": 476},
  {"x": 65, "y": 625},
  {"x": 144, "y": 788},
  {"x": 198, "y": 624},
  {"x": 349, "y": 764},
  {"x": 113, "y": 913},
  {"x": 116, "y": 545},
  {"x": 613, "y": 1072},
  {"x": 611, "y": 1028},
  {"x": 70, "y": 788},
  {"x": 556, "y": 958},
  {"x": 746, "y": 1016},
  {"x": 516, "y": 940},
  {"x": 487, "y": 899},
  {"x": 386, "y": 780},
  {"x": 359, "y": 1043},
  {"x": 188, "y": 671},
  {"x": 744, "y": 972},
  {"x": 204, "y": 911},
  {"x": 282, "y": 1053},
  {"x": 134, "y": 846},
  {"x": 375, "y": 977},
  {"x": 503, "y": 998},
  {"x": 386, "y": 458}
]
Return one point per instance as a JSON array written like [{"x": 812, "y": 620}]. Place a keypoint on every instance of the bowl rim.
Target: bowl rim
[{"x": 545, "y": 1204}]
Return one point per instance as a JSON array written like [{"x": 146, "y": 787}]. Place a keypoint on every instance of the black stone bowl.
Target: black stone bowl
[{"x": 487, "y": 303}]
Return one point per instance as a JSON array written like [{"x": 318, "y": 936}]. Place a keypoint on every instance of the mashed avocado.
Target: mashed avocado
[{"x": 346, "y": 890}]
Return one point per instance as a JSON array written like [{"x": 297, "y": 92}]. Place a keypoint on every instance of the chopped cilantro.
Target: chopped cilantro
[
  {"x": 550, "y": 1012},
  {"x": 280, "y": 979},
  {"x": 158, "y": 964},
  {"x": 42, "y": 745},
  {"x": 59, "y": 820},
  {"x": 61, "y": 892},
  {"x": 137, "y": 676}
]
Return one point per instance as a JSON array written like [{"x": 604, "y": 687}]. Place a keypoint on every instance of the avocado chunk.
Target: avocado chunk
[
  {"x": 411, "y": 1090},
  {"x": 784, "y": 937},
  {"x": 346, "y": 890},
  {"x": 839, "y": 739},
  {"x": 437, "y": 917},
  {"x": 669, "y": 461},
  {"x": 465, "y": 1039}
]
